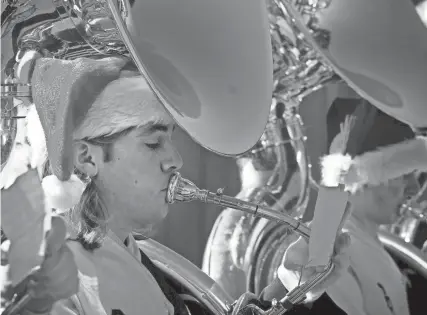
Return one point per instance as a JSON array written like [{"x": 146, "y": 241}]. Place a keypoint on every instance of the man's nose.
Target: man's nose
[{"x": 173, "y": 162}]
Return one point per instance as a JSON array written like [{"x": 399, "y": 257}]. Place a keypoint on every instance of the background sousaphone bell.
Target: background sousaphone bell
[{"x": 379, "y": 47}]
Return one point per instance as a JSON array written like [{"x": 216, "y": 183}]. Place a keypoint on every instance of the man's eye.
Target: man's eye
[{"x": 153, "y": 146}]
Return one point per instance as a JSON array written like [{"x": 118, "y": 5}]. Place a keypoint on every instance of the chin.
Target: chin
[{"x": 146, "y": 231}]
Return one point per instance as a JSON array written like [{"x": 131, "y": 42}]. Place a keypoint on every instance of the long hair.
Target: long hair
[{"x": 89, "y": 218}]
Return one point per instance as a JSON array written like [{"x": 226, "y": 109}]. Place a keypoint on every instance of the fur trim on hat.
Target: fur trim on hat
[
  {"x": 333, "y": 167},
  {"x": 377, "y": 166},
  {"x": 62, "y": 195},
  {"x": 124, "y": 103}
]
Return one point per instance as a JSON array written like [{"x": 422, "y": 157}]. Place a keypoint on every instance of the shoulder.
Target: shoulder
[
  {"x": 69, "y": 306},
  {"x": 87, "y": 300},
  {"x": 82, "y": 257}
]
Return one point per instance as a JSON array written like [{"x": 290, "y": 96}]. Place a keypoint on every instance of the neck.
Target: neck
[
  {"x": 107, "y": 207},
  {"x": 116, "y": 224},
  {"x": 119, "y": 230},
  {"x": 122, "y": 227}
]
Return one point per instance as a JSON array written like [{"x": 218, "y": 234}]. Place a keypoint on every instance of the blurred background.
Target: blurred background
[{"x": 188, "y": 225}]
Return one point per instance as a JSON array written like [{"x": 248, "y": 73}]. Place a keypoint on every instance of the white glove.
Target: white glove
[{"x": 292, "y": 271}]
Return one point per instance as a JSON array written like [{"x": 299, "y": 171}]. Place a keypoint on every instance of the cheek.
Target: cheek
[{"x": 138, "y": 170}]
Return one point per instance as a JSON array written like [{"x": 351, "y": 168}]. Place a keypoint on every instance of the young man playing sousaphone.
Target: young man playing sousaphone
[
  {"x": 374, "y": 285},
  {"x": 111, "y": 154},
  {"x": 386, "y": 151}
]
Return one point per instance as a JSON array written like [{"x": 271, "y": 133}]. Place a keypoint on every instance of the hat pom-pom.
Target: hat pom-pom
[
  {"x": 62, "y": 195},
  {"x": 334, "y": 167}
]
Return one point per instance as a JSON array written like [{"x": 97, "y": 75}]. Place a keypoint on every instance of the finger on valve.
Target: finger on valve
[{"x": 247, "y": 304}]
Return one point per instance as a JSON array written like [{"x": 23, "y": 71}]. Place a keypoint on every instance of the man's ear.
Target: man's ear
[{"x": 88, "y": 157}]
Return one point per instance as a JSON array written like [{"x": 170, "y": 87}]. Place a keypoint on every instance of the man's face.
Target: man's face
[
  {"x": 134, "y": 182},
  {"x": 381, "y": 203}
]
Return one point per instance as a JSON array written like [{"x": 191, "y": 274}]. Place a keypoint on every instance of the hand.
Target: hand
[
  {"x": 293, "y": 270},
  {"x": 241, "y": 307},
  {"x": 57, "y": 277},
  {"x": 339, "y": 143}
]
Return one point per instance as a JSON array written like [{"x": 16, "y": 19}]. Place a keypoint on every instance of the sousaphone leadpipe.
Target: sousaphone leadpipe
[{"x": 181, "y": 189}]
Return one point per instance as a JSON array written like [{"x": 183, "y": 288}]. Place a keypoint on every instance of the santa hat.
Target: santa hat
[
  {"x": 72, "y": 102},
  {"x": 368, "y": 147}
]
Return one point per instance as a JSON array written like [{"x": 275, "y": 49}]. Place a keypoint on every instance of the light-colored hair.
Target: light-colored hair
[{"x": 89, "y": 219}]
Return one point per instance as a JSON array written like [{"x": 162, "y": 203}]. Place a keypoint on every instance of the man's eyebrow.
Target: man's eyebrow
[{"x": 154, "y": 126}]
